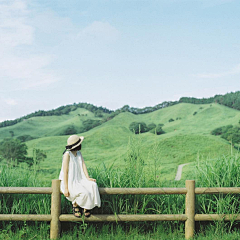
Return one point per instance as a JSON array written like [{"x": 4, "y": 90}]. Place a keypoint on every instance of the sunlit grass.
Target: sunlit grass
[{"x": 223, "y": 172}]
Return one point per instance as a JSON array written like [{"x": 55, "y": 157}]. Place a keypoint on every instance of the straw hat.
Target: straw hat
[{"x": 73, "y": 142}]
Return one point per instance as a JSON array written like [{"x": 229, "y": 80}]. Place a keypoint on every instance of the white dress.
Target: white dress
[{"x": 82, "y": 191}]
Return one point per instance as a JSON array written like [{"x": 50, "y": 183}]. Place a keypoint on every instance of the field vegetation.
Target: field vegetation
[
  {"x": 183, "y": 139},
  {"x": 119, "y": 156},
  {"x": 223, "y": 173}
]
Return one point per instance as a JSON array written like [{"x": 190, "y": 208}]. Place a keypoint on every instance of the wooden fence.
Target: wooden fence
[{"x": 55, "y": 218}]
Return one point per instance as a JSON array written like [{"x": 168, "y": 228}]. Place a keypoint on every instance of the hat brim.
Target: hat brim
[{"x": 75, "y": 145}]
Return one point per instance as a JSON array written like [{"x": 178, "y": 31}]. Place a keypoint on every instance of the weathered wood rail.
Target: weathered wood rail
[{"x": 55, "y": 218}]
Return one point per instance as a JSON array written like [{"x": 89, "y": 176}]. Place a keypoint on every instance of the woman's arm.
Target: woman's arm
[
  {"x": 86, "y": 171},
  {"x": 66, "y": 159}
]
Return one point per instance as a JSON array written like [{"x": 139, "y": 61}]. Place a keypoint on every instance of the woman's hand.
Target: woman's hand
[
  {"x": 66, "y": 193},
  {"x": 92, "y": 179}
]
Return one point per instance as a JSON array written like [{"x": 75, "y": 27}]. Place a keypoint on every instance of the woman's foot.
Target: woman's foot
[
  {"x": 87, "y": 213},
  {"x": 77, "y": 211}
]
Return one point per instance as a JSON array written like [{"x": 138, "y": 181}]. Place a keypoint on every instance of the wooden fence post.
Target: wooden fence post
[
  {"x": 190, "y": 209},
  {"x": 55, "y": 210}
]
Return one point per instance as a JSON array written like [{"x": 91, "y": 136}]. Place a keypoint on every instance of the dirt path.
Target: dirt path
[{"x": 179, "y": 171}]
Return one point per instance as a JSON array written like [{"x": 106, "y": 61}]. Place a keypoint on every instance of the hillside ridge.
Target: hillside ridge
[{"x": 231, "y": 100}]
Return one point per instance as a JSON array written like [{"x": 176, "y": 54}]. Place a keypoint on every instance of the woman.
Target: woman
[{"x": 76, "y": 185}]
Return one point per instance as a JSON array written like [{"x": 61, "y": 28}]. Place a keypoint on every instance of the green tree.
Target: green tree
[
  {"x": 229, "y": 132},
  {"x": 158, "y": 130},
  {"x": 14, "y": 151},
  {"x": 151, "y": 126},
  {"x": 39, "y": 155},
  {"x": 69, "y": 130},
  {"x": 24, "y": 138},
  {"x": 217, "y": 131},
  {"x": 98, "y": 113},
  {"x": 89, "y": 124},
  {"x": 138, "y": 127},
  {"x": 12, "y": 133}
]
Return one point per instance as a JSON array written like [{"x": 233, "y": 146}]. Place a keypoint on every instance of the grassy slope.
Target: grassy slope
[
  {"x": 183, "y": 141},
  {"x": 48, "y": 125}
]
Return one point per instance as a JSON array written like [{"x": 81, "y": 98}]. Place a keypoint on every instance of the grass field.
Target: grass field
[
  {"x": 185, "y": 139},
  {"x": 118, "y": 158},
  {"x": 223, "y": 172}
]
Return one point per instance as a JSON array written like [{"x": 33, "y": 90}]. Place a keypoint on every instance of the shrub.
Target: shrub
[
  {"x": 217, "y": 131},
  {"x": 138, "y": 127},
  {"x": 158, "y": 130},
  {"x": 69, "y": 130},
  {"x": 89, "y": 124},
  {"x": 229, "y": 133},
  {"x": 170, "y": 120},
  {"x": 98, "y": 113},
  {"x": 24, "y": 138},
  {"x": 151, "y": 126}
]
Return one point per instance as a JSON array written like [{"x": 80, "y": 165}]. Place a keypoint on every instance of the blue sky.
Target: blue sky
[{"x": 113, "y": 53}]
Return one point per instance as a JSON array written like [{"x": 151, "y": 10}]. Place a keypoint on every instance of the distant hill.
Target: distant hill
[
  {"x": 185, "y": 139},
  {"x": 108, "y": 138},
  {"x": 231, "y": 100},
  {"x": 78, "y": 120}
]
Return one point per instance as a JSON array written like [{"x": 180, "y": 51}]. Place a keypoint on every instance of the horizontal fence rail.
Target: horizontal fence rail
[
  {"x": 212, "y": 190},
  {"x": 55, "y": 218},
  {"x": 26, "y": 190},
  {"x": 149, "y": 191},
  {"x": 125, "y": 217},
  {"x": 26, "y": 217}
]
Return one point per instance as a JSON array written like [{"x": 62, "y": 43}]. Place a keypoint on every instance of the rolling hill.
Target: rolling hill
[
  {"x": 109, "y": 143},
  {"x": 44, "y": 126}
]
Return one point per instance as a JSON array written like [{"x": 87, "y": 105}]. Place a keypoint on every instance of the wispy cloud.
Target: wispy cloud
[
  {"x": 13, "y": 28},
  {"x": 19, "y": 61},
  {"x": 234, "y": 71}
]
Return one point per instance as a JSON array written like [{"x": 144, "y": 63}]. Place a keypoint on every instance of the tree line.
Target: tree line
[
  {"x": 231, "y": 100},
  {"x": 98, "y": 112},
  {"x": 229, "y": 132}
]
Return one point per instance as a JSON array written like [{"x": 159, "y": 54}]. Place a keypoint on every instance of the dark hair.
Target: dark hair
[{"x": 78, "y": 148}]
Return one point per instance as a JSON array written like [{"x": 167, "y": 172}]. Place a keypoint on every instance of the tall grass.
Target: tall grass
[
  {"x": 224, "y": 172},
  {"x": 221, "y": 172}
]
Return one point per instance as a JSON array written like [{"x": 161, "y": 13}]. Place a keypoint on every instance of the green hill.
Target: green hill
[
  {"x": 44, "y": 126},
  {"x": 110, "y": 142}
]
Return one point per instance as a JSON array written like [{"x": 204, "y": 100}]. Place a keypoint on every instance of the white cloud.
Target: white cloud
[
  {"x": 19, "y": 62},
  {"x": 14, "y": 30},
  {"x": 27, "y": 72},
  {"x": 233, "y": 71}
]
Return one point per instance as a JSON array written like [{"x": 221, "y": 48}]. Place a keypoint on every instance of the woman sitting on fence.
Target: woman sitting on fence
[{"x": 76, "y": 184}]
